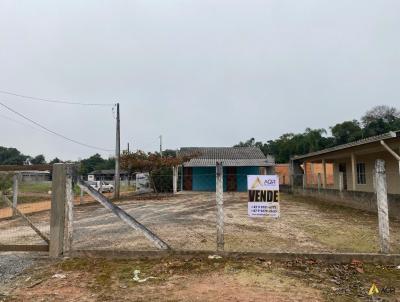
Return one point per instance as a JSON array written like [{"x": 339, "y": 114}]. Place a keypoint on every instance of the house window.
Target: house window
[{"x": 361, "y": 179}]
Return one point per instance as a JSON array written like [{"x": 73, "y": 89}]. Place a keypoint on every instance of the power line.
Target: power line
[
  {"x": 53, "y": 132},
  {"x": 55, "y": 101},
  {"x": 16, "y": 121}
]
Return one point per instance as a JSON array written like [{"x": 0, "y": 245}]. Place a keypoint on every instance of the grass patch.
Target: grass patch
[
  {"x": 35, "y": 187},
  {"x": 344, "y": 238},
  {"x": 112, "y": 280}
]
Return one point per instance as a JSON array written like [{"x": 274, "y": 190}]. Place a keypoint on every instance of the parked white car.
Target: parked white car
[{"x": 101, "y": 186}]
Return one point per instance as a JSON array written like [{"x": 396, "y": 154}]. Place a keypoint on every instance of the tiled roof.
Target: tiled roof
[
  {"x": 369, "y": 140},
  {"x": 229, "y": 156}
]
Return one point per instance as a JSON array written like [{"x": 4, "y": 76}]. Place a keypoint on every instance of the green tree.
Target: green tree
[
  {"x": 380, "y": 119},
  {"x": 38, "y": 160},
  {"x": 96, "y": 162},
  {"x": 5, "y": 182},
  {"x": 346, "y": 132},
  {"x": 55, "y": 161},
  {"x": 11, "y": 156}
]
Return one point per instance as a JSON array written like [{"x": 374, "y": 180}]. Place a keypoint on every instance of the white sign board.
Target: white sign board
[{"x": 263, "y": 196}]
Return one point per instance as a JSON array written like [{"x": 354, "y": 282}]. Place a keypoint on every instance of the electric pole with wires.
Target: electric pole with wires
[{"x": 117, "y": 157}]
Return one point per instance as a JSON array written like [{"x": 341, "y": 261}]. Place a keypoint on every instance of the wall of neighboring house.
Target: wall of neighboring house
[
  {"x": 313, "y": 169},
  {"x": 392, "y": 172},
  {"x": 242, "y": 177},
  {"x": 34, "y": 177},
  {"x": 204, "y": 179},
  {"x": 282, "y": 170}
]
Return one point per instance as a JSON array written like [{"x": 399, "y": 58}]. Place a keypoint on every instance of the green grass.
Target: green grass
[{"x": 35, "y": 187}]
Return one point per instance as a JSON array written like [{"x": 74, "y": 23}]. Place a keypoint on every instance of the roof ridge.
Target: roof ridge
[{"x": 367, "y": 140}]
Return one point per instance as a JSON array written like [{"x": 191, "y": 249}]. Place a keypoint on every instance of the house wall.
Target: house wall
[
  {"x": 353, "y": 199},
  {"x": 392, "y": 172},
  {"x": 282, "y": 170},
  {"x": 242, "y": 177},
  {"x": 203, "y": 178}
]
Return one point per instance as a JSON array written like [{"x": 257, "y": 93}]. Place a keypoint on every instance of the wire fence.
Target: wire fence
[
  {"x": 24, "y": 211},
  {"x": 188, "y": 220}
]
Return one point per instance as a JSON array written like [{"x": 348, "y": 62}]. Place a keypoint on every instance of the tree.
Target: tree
[
  {"x": 383, "y": 112},
  {"x": 6, "y": 182},
  {"x": 38, "y": 160},
  {"x": 11, "y": 156},
  {"x": 158, "y": 167},
  {"x": 96, "y": 162},
  {"x": 346, "y": 132},
  {"x": 380, "y": 119},
  {"x": 55, "y": 161}
]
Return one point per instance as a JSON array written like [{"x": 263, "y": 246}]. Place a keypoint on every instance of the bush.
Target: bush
[
  {"x": 161, "y": 180},
  {"x": 6, "y": 182}
]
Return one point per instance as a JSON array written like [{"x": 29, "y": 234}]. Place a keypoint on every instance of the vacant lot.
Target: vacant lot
[
  {"x": 201, "y": 279},
  {"x": 187, "y": 222}
]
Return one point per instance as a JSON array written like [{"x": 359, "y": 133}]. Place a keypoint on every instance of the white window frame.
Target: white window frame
[{"x": 361, "y": 174}]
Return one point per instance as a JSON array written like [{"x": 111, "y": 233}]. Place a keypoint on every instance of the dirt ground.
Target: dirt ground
[
  {"x": 188, "y": 222},
  {"x": 202, "y": 279}
]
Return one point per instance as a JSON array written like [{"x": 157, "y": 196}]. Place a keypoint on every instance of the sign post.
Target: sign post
[{"x": 263, "y": 193}]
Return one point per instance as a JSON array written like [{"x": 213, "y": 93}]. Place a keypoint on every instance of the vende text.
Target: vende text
[{"x": 263, "y": 195}]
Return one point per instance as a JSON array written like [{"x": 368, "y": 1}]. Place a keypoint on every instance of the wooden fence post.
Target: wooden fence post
[
  {"x": 57, "y": 213},
  {"x": 383, "y": 213},
  {"x": 15, "y": 194},
  {"x": 220, "y": 206}
]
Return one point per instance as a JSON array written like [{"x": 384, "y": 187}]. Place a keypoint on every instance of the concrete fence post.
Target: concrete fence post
[
  {"x": 382, "y": 200},
  {"x": 15, "y": 194},
  {"x": 220, "y": 206},
  {"x": 69, "y": 208},
  {"x": 175, "y": 179},
  {"x": 81, "y": 196},
  {"x": 341, "y": 183},
  {"x": 57, "y": 213},
  {"x": 304, "y": 182}
]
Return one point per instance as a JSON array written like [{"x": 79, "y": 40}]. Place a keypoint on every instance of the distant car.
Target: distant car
[{"x": 101, "y": 186}]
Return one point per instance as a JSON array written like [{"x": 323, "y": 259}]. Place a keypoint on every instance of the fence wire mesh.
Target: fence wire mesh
[
  {"x": 187, "y": 221},
  {"x": 33, "y": 202}
]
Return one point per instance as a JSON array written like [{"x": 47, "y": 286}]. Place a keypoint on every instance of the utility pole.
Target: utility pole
[
  {"x": 117, "y": 157},
  {"x": 128, "y": 148},
  {"x": 161, "y": 154}
]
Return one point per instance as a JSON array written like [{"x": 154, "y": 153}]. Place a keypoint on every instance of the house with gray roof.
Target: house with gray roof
[
  {"x": 199, "y": 172},
  {"x": 353, "y": 172}
]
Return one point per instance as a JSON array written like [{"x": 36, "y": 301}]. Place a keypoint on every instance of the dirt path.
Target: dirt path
[{"x": 44, "y": 205}]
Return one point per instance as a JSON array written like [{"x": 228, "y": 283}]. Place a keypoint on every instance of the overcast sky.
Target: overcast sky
[{"x": 201, "y": 73}]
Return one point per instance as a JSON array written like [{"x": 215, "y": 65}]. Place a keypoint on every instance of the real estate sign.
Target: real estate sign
[{"x": 263, "y": 193}]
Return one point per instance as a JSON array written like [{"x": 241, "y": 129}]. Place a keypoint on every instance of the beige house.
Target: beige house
[{"x": 353, "y": 169}]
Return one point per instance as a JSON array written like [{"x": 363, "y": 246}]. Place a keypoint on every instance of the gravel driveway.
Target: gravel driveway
[{"x": 13, "y": 265}]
